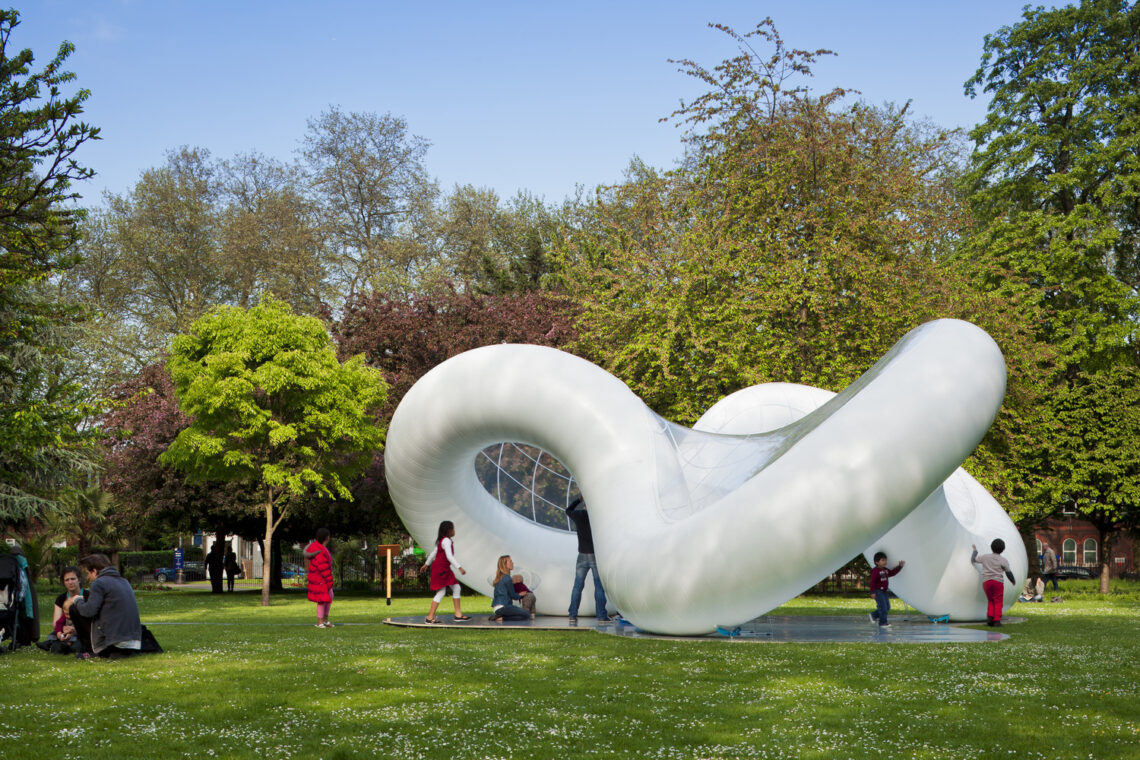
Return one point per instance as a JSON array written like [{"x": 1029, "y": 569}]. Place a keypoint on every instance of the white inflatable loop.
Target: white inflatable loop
[{"x": 775, "y": 488}]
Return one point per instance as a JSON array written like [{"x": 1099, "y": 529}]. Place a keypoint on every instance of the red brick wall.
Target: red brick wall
[{"x": 1056, "y": 530}]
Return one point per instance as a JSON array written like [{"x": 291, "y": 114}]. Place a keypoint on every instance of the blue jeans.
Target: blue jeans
[
  {"x": 882, "y": 605},
  {"x": 587, "y": 563}
]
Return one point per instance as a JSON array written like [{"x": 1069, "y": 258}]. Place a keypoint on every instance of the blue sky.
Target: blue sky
[{"x": 511, "y": 95}]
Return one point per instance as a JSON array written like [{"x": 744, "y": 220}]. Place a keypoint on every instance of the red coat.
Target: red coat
[
  {"x": 442, "y": 575},
  {"x": 320, "y": 576}
]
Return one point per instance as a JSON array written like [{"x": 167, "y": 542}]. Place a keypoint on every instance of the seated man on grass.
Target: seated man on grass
[{"x": 116, "y": 630}]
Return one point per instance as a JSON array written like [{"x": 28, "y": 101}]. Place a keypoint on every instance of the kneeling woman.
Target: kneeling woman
[{"x": 505, "y": 593}]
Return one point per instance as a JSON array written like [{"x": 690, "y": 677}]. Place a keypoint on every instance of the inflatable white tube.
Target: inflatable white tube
[
  {"x": 678, "y": 553},
  {"x": 934, "y": 539}
]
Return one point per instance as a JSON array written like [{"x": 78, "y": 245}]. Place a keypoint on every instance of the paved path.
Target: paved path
[{"x": 798, "y": 628}]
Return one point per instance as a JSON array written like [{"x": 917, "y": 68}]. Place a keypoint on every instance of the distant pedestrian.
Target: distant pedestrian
[
  {"x": 444, "y": 565},
  {"x": 215, "y": 562},
  {"x": 232, "y": 568},
  {"x": 1049, "y": 566},
  {"x": 320, "y": 576},
  {"x": 993, "y": 567},
  {"x": 880, "y": 588}
]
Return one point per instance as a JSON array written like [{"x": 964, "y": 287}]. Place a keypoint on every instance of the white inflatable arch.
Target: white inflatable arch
[{"x": 775, "y": 488}]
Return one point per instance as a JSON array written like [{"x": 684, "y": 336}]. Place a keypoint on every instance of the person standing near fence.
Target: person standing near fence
[
  {"x": 215, "y": 561},
  {"x": 1049, "y": 566},
  {"x": 231, "y": 568},
  {"x": 320, "y": 576}
]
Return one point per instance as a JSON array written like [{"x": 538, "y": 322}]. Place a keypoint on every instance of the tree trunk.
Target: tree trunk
[
  {"x": 1107, "y": 539},
  {"x": 269, "y": 548},
  {"x": 1028, "y": 531},
  {"x": 266, "y": 564}
]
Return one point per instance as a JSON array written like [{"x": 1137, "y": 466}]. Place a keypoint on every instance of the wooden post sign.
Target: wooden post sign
[{"x": 386, "y": 551}]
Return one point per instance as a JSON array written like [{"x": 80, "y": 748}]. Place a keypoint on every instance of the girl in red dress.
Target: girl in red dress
[
  {"x": 443, "y": 566},
  {"x": 320, "y": 577}
]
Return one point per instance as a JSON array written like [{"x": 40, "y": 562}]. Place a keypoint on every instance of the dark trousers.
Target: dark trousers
[
  {"x": 511, "y": 612},
  {"x": 1045, "y": 578}
]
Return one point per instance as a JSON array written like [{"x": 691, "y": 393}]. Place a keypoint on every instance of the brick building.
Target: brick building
[{"x": 1077, "y": 543}]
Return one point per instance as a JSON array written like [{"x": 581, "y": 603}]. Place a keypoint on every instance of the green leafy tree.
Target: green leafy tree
[
  {"x": 800, "y": 239},
  {"x": 42, "y": 446},
  {"x": 493, "y": 247},
  {"x": 366, "y": 172},
  {"x": 273, "y": 407},
  {"x": 192, "y": 234},
  {"x": 1054, "y": 181},
  {"x": 88, "y": 517},
  {"x": 1095, "y": 447},
  {"x": 1056, "y": 170}
]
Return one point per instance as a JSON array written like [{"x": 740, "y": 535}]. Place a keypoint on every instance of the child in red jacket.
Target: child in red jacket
[
  {"x": 320, "y": 577},
  {"x": 880, "y": 588}
]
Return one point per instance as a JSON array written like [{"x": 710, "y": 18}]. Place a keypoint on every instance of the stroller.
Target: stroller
[{"x": 11, "y": 594}]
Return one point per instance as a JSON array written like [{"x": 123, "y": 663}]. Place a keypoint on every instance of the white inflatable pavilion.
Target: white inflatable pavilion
[{"x": 775, "y": 487}]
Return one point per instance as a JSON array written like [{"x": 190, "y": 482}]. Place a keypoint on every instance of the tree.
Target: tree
[
  {"x": 1056, "y": 168},
  {"x": 272, "y": 407},
  {"x": 493, "y": 247},
  {"x": 367, "y": 173},
  {"x": 41, "y": 410},
  {"x": 1053, "y": 181},
  {"x": 798, "y": 241},
  {"x": 191, "y": 234},
  {"x": 154, "y": 497},
  {"x": 1095, "y": 446},
  {"x": 89, "y": 517},
  {"x": 271, "y": 237}
]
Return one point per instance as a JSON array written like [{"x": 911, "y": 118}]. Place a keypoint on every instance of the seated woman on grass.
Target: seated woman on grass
[
  {"x": 71, "y": 634},
  {"x": 505, "y": 593}
]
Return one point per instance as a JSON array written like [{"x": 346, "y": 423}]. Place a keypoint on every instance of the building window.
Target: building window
[
  {"x": 1090, "y": 551},
  {"x": 1040, "y": 550},
  {"x": 1069, "y": 552}
]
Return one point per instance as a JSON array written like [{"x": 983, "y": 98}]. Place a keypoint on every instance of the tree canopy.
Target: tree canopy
[
  {"x": 799, "y": 240},
  {"x": 272, "y": 407},
  {"x": 43, "y": 443},
  {"x": 1054, "y": 184}
]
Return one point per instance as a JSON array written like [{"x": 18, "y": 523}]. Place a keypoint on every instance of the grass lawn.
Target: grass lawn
[{"x": 239, "y": 680}]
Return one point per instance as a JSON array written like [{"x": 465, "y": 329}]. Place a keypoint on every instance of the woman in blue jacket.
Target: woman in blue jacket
[{"x": 505, "y": 593}]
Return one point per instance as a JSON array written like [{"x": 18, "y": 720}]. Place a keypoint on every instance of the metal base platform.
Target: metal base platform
[{"x": 774, "y": 628}]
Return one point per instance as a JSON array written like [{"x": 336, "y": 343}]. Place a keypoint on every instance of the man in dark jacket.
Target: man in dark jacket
[
  {"x": 116, "y": 630},
  {"x": 215, "y": 566},
  {"x": 586, "y": 563}
]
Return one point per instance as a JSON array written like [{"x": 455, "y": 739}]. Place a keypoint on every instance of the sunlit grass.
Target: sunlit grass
[{"x": 243, "y": 681}]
